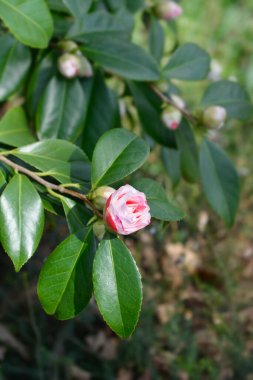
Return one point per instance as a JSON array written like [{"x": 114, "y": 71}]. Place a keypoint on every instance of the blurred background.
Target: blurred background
[{"x": 197, "y": 317}]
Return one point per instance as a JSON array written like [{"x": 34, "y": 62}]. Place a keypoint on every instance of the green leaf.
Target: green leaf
[
  {"x": 60, "y": 159},
  {"x": 156, "y": 39},
  {"x": 189, "y": 62},
  {"x": 117, "y": 286},
  {"x": 15, "y": 60},
  {"x": 29, "y": 21},
  {"x": 65, "y": 282},
  {"x": 101, "y": 23},
  {"x": 14, "y": 129},
  {"x": 78, "y": 8},
  {"x": 77, "y": 215},
  {"x": 160, "y": 206},
  {"x": 60, "y": 110},
  {"x": 21, "y": 220},
  {"x": 231, "y": 96},
  {"x": 57, "y": 5},
  {"x": 117, "y": 154},
  {"x": 134, "y": 5},
  {"x": 220, "y": 181},
  {"x": 123, "y": 58},
  {"x": 171, "y": 160},
  {"x": 102, "y": 114},
  {"x": 149, "y": 107},
  {"x": 188, "y": 152},
  {"x": 2, "y": 180}
]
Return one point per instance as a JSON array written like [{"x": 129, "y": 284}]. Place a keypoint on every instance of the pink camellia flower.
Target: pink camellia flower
[
  {"x": 168, "y": 10},
  {"x": 127, "y": 211}
]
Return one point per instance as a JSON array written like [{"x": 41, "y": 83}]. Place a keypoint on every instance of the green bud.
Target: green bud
[
  {"x": 99, "y": 196},
  {"x": 99, "y": 229},
  {"x": 214, "y": 117}
]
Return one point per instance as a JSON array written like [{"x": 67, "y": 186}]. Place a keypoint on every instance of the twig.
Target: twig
[
  {"x": 167, "y": 100},
  {"x": 49, "y": 185}
]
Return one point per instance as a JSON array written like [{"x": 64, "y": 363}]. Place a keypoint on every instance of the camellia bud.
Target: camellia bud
[
  {"x": 85, "y": 69},
  {"x": 99, "y": 196},
  {"x": 168, "y": 10},
  {"x": 214, "y": 117},
  {"x": 74, "y": 65},
  {"x": 171, "y": 117},
  {"x": 177, "y": 101},
  {"x": 99, "y": 229},
  {"x": 68, "y": 46}
]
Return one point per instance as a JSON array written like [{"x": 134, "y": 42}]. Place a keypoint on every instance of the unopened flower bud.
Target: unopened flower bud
[
  {"x": 68, "y": 46},
  {"x": 99, "y": 196},
  {"x": 85, "y": 67},
  {"x": 74, "y": 65},
  {"x": 99, "y": 229},
  {"x": 171, "y": 117},
  {"x": 177, "y": 101},
  {"x": 214, "y": 117},
  {"x": 168, "y": 10},
  {"x": 215, "y": 72}
]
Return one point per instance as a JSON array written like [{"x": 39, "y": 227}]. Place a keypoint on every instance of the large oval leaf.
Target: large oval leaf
[
  {"x": 60, "y": 111},
  {"x": 220, "y": 181},
  {"x": 160, "y": 206},
  {"x": 117, "y": 154},
  {"x": 77, "y": 215},
  {"x": 58, "y": 158},
  {"x": 29, "y": 21},
  {"x": 189, "y": 62},
  {"x": 21, "y": 220},
  {"x": 123, "y": 58},
  {"x": 15, "y": 60},
  {"x": 117, "y": 286},
  {"x": 65, "y": 282},
  {"x": 14, "y": 129}
]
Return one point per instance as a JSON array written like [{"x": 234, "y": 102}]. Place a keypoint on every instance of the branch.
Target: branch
[
  {"x": 50, "y": 185},
  {"x": 167, "y": 100}
]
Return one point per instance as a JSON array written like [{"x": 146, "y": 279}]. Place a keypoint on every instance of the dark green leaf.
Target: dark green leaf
[
  {"x": 117, "y": 154},
  {"x": 156, "y": 39},
  {"x": 29, "y": 21},
  {"x": 21, "y": 220},
  {"x": 220, "y": 181},
  {"x": 189, "y": 62},
  {"x": 78, "y": 8},
  {"x": 65, "y": 282},
  {"x": 171, "y": 160},
  {"x": 60, "y": 110},
  {"x": 231, "y": 96},
  {"x": 77, "y": 215},
  {"x": 15, "y": 60},
  {"x": 134, "y": 5},
  {"x": 160, "y": 206},
  {"x": 57, "y": 5},
  {"x": 122, "y": 58},
  {"x": 117, "y": 286},
  {"x": 14, "y": 129}
]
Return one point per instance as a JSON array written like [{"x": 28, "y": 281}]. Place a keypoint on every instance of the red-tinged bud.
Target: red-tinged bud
[
  {"x": 99, "y": 229},
  {"x": 168, "y": 10},
  {"x": 171, "y": 118},
  {"x": 99, "y": 196},
  {"x": 74, "y": 65},
  {"x": 214, "y": 117}
]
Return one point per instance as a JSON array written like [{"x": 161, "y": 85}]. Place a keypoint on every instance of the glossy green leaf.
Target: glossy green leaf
[
  {"x": 160, "y": 206},
  {"x": 101, "y": 23},
  {"x": 58, "y": 158},
  {"x": 2, "y": 180},
  {"x": 220, "y": 181},
  {"x": 78, "y": 8},
  {"x": 57, "y": 5},
  {"x": 15, "y": 60},
  {"x": 14, "y": 129},
  {"x": 123, "y": 58},
  {"x": 77, "y": 215},
  {"x": 117, "y": 286},
  {"x": 60, "y": 110},
  {"x": 102, "y": 114},
  {"x": 21, "y": 220},
  {"x": 188, "y": 152},
  {"x": 149, "y": 107},
  {"x": 29, "y": 21},
  {"x": 189, "y": 62},
  {"x": 65, "y": 282},
  {"x": 117, "y": 154},
  {"x": 231, "y": 96},
  {"x": 134, "y": 5},
  {"x": 171, "y": 160},
  {"x": 156, "y": 39}
]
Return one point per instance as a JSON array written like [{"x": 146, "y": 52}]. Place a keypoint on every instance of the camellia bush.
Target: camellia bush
[{"x": 81, "y": 107}]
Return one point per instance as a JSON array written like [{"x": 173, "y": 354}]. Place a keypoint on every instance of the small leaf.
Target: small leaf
[
  {"x": 117, "y": 286},
  {"x": 189, "y": 62},
  {"x": 60, "y": 159},
  {"x": 122, "y": 58},
  {"x": 60, "y": 110},
  {"x": 160, "y": 206},
  {"x": 65, "y": 282},
  {"x": 156, "y": 39},
  {"x": 29, "y": 21},
  {"x": 117, "y": 154},
  {"x": 15, "y": 60},
  {"x": 14, "y": 129},
  {"x": 231, "y": 96},
  {"x": 171, "y": 160},
  {"x": 77, "y": 215},
  {"x": 220, "y": 181},
  {"x": 21, "y": 220}
]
